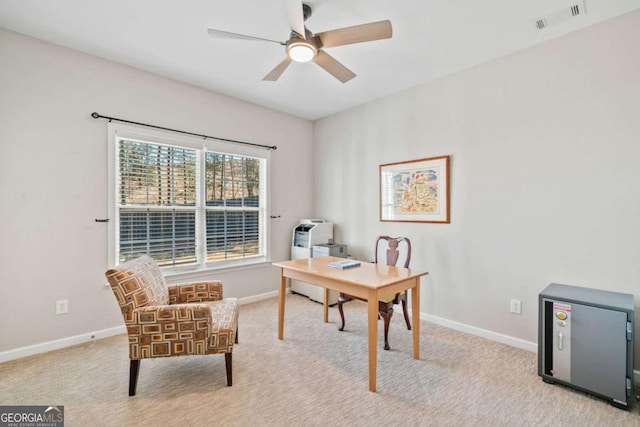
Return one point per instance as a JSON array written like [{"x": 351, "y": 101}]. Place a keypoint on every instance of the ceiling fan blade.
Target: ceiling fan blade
[
  {"x": 333, "y": 67},
  {"x": 229, "y": 35},
  {"x": 293, "y": 8},
  {"x": 278, "y": 70},
  {"x": 356, "y": 34}
]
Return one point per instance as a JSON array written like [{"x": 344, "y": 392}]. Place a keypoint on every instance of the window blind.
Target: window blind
[{"x": 165, "y": 209}]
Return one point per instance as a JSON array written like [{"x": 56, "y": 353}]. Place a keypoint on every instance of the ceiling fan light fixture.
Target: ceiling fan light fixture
[
  {"x": 301, "y": 51},
  {"x": 305, "y": 46}
]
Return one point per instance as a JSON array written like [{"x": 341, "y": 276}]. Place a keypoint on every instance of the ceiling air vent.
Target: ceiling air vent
[
  {"x": 562, "y": 15},
  {"x": 575, "y": 9}
]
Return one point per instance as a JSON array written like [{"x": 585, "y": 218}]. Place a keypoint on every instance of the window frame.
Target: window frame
[{"x": 202, "y": 146}]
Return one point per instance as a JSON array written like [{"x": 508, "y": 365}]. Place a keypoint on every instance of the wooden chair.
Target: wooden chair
[
  {"x": 394, "y": 251},
  {"x": 175, "y": 320}
]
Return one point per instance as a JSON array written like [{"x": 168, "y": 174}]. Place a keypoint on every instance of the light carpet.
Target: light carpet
[{"x": 316, "y": 376}]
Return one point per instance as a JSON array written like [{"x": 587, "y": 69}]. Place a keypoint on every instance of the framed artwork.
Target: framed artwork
[{"x": 415, "y": 191}]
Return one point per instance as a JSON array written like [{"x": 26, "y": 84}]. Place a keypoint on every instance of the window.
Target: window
[{"x": 186, "y": 204}]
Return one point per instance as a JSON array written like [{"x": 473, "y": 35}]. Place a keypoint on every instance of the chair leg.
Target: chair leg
[
  {"x": 340, "y": 301},
  {"x": 386, "y": 311},
  {"x": 134, "y": 369},
  {"x": 406, "y": 313},
  {"x": 227, "y": 360}
]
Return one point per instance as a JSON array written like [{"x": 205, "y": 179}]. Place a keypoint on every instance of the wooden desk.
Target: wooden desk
[{"x": 369, "y": 281}]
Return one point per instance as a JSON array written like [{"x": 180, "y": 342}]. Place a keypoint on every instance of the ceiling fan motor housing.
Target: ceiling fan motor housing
[{"x": 306, "y": 11}]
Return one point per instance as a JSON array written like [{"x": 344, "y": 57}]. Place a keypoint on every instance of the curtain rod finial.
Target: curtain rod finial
[{"x": 95, "y": 115}]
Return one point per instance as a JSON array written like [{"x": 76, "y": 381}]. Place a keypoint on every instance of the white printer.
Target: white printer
[{"x": 308, "y": 234}]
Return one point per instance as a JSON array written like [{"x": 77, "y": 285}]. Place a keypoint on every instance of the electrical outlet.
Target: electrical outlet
[
  {"x": 62, "y": 306},
  {"x": 516, "y": 306}
]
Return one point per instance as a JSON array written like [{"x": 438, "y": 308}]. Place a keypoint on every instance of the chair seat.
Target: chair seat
[{"x": 391, "y": 298}]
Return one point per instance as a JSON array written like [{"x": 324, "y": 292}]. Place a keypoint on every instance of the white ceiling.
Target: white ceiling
[{"x": 431, "y": 38}]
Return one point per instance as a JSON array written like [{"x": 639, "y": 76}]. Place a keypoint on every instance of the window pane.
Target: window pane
[
  {"x": 167, "y": 236},
  {"x": 152, "y": 174},
  {"x": 232, "y": 181},
  {"x": 252, "y": 182},
  {"x": 232, "y": 235}
]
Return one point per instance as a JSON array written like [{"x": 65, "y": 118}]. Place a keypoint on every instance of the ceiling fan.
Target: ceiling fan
[{"x": 304, "y": 46}]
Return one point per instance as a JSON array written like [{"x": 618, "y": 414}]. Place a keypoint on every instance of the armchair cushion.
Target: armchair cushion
[
  {"x": 165, "y": 330},
  {"x": 183, "y": 329},
  {"x": 138, "y": 283},
  {"x": 195, "y": 292}
]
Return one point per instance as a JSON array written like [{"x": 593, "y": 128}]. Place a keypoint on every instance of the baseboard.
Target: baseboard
[
  {"x": 493, "y": 336},
  {"x": 259, "y": 297},
  {"x": 44, "y": 347}
]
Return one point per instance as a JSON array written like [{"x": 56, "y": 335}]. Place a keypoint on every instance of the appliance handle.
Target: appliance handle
[{"x": 560, "y": 339}]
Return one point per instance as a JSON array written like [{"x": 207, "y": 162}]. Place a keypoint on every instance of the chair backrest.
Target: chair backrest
[
  {"x": 138, "y": 283},
  {"x": 393, "y": 251}
]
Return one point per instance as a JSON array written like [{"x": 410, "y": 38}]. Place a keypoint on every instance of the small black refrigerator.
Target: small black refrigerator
[{"x": 585, "y": 341}]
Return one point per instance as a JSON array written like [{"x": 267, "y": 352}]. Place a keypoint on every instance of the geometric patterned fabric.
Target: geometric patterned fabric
[{"x": 174, "y": 320}]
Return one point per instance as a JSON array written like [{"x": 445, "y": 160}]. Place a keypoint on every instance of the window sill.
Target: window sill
[{"x": 206, "y": 272}]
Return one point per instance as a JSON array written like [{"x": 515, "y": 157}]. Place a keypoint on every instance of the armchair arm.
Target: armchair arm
[
  {"x": 195, "y": 292},
  {"x": 169, "y": 330}
]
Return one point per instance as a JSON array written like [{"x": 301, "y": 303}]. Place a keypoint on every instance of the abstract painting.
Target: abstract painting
[{"x": 415, "y": 190}]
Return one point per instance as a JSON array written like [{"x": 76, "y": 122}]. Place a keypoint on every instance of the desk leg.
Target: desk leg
[
  {"x": 281, "y": 295},
  {"x": 326, "y": 305},
  {"x": 415, "y": 318},
  {"x": 372, "y": 305}
]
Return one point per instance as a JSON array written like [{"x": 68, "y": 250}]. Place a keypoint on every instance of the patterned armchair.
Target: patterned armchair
[{"x": 175, "y": 320}]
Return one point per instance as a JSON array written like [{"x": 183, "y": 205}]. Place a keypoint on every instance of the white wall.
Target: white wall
[
  {"x": 545, "y": 181},
  {"x": 53, "y": 180}
]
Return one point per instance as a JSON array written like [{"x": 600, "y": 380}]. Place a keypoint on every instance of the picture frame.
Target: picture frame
[{"x": 416, "y": 191}]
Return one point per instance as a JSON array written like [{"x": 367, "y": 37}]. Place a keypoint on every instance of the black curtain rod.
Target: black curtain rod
[{"x": 267, "y": 147}]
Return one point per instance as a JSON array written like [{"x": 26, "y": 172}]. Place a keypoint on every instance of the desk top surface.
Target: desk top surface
[{"x": 368, "y": 274}]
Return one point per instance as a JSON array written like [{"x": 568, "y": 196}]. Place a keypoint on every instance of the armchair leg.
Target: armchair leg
[
  {"x": 227, "y": 360},
  {"x": 134, "y": 369}
]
